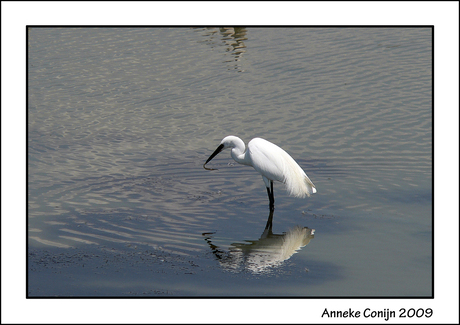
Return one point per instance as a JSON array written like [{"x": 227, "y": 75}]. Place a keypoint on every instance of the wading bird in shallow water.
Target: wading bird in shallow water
[{"x": 272, "y": 162}]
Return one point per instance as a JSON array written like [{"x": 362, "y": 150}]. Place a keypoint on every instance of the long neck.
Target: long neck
[{"x": 239, "y": 154}]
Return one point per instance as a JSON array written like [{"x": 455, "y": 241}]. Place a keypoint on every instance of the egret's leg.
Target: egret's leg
[{"x": 271, "y": 197}]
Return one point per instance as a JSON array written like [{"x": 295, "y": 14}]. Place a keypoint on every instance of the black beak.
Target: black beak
[{"x": 219, "y": 149}]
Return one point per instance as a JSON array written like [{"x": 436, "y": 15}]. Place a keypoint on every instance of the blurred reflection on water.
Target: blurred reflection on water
[
  {"x": 264, "y": 254},
  {"x": 233, "y": 39},
  {"x": 120, "y": 121}
]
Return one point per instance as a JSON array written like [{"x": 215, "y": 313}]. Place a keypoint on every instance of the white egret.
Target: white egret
[{"x": 272, "y": 162}]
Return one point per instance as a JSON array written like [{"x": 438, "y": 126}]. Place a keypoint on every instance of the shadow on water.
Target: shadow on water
[{"x": 268, "y": 252}]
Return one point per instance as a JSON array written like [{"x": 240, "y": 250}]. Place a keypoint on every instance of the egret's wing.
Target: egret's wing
[
  {"x": 266, "y": 160},
  {"x": 276, "y": 164}
]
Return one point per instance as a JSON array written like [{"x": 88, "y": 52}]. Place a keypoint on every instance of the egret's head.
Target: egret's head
[
  {"x": 231, "y": 141},
  {"x": 227, "y": 142}
]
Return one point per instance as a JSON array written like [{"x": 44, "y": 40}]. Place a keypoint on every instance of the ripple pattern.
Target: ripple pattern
[{"x": 120, "y": 121}]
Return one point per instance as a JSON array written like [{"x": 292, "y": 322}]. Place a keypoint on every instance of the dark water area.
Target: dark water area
[{"x": 121, "y": 120}]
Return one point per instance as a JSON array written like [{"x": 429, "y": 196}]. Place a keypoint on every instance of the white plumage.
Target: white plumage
[{"x": 272, "y": 162}]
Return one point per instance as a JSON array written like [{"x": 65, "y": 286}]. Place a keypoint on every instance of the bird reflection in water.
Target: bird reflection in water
[
  {"x": 261, "y": 256},
  {"x": 234, "y": 38}
]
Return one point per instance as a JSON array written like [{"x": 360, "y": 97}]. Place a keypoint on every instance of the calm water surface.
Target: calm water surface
[{"x": 121, "y": 120}]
